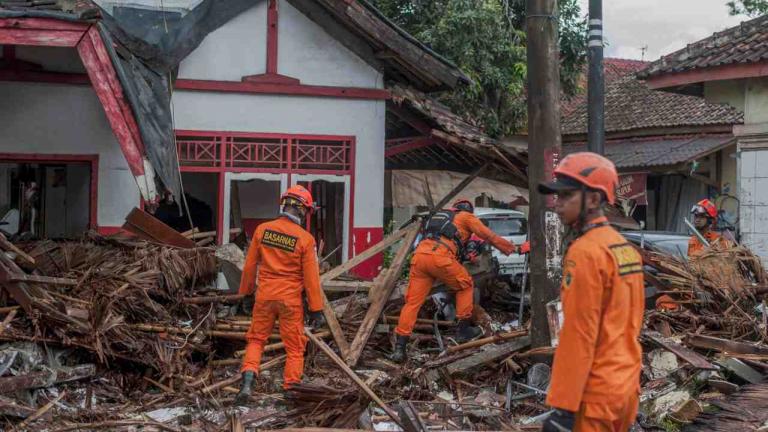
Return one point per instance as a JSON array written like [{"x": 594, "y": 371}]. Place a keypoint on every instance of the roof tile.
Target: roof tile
[{"x": 744, "y": 43}]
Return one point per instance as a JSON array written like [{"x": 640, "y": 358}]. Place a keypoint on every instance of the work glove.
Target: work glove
[
  {"x": 246, "y": 305},
  {"x": 559, "y": 421},
  {"x": 316, "y": 320},
  {"x": 524, "y": 248}
]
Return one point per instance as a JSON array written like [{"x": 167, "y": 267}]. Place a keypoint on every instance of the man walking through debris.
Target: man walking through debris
[
  {"x": 285, "y": 256},
  {"x": 437, "y": 258},
  {"x": 596, "y": 372},
  {"x": 704, "y": 217}
]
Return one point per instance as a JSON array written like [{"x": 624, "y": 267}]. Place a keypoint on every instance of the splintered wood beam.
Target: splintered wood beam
[
  {"x": 334, "y": 326},
  {"x": 363, "y": 256},
  {"x": 351, "y": 374},
  {"x": 45, "y": 379},
  {"x": 21, "y": 257},
  {"x": 382, "y": 291},
  {"x": 152, "y": 229}
]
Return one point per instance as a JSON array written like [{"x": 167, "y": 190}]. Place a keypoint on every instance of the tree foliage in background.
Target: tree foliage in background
[
  {"x": 486, "y": 39},
  {"x": 751, "y": 8}
]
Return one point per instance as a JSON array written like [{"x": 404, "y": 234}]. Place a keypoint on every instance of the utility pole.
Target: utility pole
[
  {"x": 596, "y": 80},
  {"x": 543, "y": 153}
]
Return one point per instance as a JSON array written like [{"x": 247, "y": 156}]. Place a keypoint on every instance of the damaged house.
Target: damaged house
[
  {"x": 671, "y": 150},
  {"x": 226, "y": 104}
]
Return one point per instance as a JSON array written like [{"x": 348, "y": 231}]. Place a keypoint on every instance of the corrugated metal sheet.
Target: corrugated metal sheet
[{"x": 640, "y": 153}]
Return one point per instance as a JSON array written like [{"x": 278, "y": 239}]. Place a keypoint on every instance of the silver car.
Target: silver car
[{"x": 512, "y": 225}]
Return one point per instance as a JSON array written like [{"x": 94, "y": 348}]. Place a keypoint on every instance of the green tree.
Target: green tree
[
  {"x": 486, "y": 39},
  {"x": 751, "y": 8}
]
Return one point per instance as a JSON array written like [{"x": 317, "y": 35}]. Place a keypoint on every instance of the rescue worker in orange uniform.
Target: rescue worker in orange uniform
[
  {"x": 284, "y": 255},
  {"x": 596, "y": 372},
  {"x": 704, "y": 217},
  {"x": 437, "y": 258}
]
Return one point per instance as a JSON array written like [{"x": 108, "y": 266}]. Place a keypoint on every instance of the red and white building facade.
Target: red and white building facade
[{"x": 268, "y": 100}]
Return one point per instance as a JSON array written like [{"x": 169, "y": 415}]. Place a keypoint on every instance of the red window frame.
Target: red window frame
[
  {"x": 93, "y": 160},
  {"x": 214, "y": 152}
]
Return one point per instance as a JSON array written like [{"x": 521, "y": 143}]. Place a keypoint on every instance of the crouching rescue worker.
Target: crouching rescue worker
[
  {"x": 704, "y": 217},
  {"x": 436, "y": 257},
  {"x": 596, "y": 372},
  {"x": 284, "y": 255}
]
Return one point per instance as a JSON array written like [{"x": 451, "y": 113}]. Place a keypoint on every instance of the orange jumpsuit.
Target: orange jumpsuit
[
  {"x": 596, "y": 370},
  {"x": 285, "y": 256},
  {"x": 434, "y": 260},
  {"x": 695, "y": 247}
]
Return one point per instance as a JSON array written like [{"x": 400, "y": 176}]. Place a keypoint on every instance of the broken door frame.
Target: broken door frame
[
  {"x": 347, "y": 225},
  {"x": 55, "y": 159},
  {"x": 229, "y": 177}
]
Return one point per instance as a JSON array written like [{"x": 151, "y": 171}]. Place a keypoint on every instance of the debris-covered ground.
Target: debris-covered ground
[{"x": 123, "y": 334}]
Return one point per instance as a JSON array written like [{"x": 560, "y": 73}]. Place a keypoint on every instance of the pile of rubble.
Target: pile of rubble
[
  {"x": 706, "y": 340},
  {"x": 122, "y": 333}
]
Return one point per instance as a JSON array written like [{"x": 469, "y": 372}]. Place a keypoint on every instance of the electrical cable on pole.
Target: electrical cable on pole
[{"x": 596, "y": 80}]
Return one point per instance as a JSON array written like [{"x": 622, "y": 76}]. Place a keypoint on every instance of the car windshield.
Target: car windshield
[
  {"x": 676, "y": 247},
  {"x": 506, "y": 226}
]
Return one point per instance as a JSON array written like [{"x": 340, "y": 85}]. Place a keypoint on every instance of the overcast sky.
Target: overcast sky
[{"x": 663, "y": 26}]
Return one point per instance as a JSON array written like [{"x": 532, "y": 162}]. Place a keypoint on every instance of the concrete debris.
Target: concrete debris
[
  {"x": 669, "y": 402},
  {"x": 662, "y": 363}
]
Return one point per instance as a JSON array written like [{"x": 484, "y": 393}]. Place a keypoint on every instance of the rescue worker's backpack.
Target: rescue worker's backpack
[{"x": 440, "y": 225}]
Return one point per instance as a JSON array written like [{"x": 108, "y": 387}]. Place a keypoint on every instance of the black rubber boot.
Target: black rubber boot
[
  {"x": 466, "y": 331},
  {"x": 244, "y": 396},
  {"x": 399, "y": 355}
]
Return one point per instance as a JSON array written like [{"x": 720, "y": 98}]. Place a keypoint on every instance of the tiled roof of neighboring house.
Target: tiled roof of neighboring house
[
  {"x": 614, "y": 68},
  {"x": 631, "y": 105},
  {"x": 658, "y": 151},
  {"x": 744, "y": 43}
]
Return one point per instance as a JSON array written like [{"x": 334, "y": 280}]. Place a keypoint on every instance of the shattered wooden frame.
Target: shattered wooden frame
[{"x": 85, "y": 38}]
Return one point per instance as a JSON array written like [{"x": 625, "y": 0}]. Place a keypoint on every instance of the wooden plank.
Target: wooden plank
[
  {"x": 42, "y": 279},
  {"x": 724, "y": 345},
  {"x": 351, "y": 374},
  {"x": 230, "y": 298},
  {"x": 347, "y": 286},
  {"x": 45, "y": 379},
  {"x": 333, "y": 324},
  {"x": 363, "y": 256},
  {"x": 485, "y": 341},
  {"x": 681, "y": 351},
  {"x": 150, "y": 228},
  {"x": 22, "y": 258},
  {"x": 488, "y": 354},
  {"x": 17, "y": 290},
  {"x": 382, "y": 291}
]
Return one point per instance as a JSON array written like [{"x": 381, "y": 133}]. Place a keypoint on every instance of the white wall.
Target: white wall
[
  {"x": 305, "y": 51},
  {"x": 302, "y": 115},
  {"x": 62, "y": 119},
  {"x": 753, "y": 193},
  {"x": 234, "y": 50}
]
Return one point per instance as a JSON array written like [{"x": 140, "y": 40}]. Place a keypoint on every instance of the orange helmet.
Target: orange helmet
[
  {"x": 464, "y": 205},
  {"x": 705, "y": 207},
  {"x": 587, "y": 169},
  {"x": 298, "y": 195}
]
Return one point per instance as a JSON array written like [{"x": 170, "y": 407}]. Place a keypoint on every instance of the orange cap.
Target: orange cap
[
  {"x": 299, "y": 193},
  {"x": 584, "y": 168}
]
